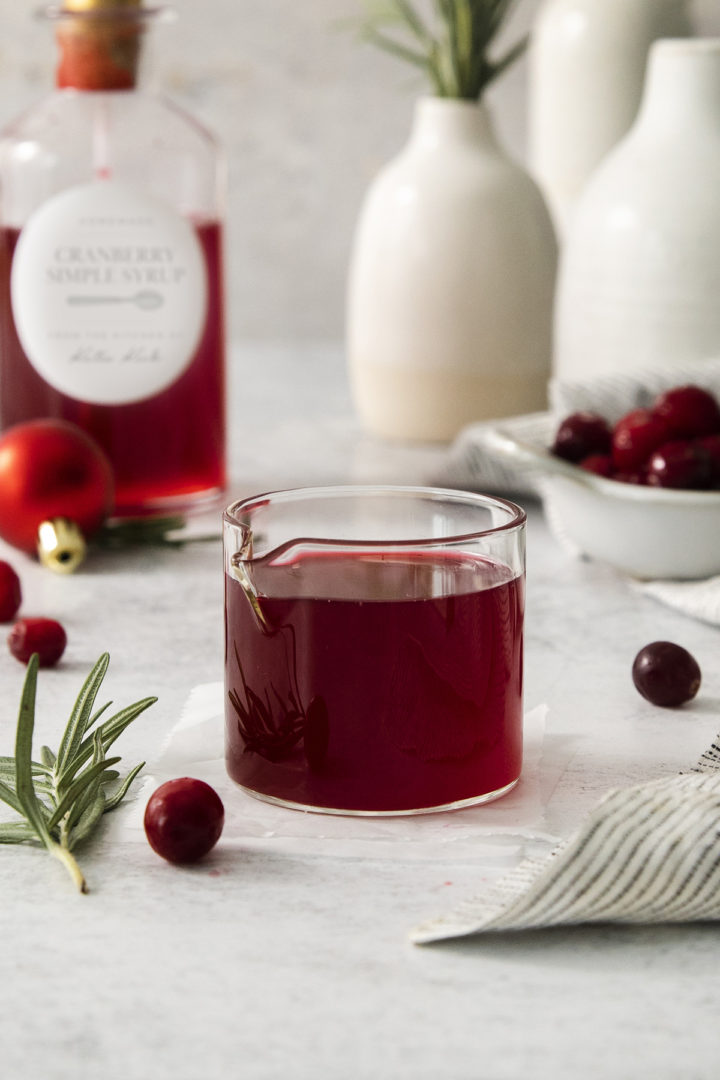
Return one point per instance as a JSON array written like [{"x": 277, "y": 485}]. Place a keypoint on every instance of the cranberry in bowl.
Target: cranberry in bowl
[{"x": 645, "y": 498}]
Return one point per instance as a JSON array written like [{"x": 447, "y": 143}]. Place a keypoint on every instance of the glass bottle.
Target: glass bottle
[
  {"x": 586, "y": 70},
  {"x": 111, "y": 266}
]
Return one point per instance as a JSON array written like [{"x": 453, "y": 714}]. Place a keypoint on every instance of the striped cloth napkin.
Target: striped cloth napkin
[{"x": 646, "y": 854}]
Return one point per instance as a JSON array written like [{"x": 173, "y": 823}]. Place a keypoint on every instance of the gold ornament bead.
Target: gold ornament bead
[
  {"x": 61, "y": 546},
  {"x": 100, "y": 5}
]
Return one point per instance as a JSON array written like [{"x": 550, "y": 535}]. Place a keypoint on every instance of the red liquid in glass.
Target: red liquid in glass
[
  {"x": 382, "y": 682},
  {"x": 168, "y": 450}
]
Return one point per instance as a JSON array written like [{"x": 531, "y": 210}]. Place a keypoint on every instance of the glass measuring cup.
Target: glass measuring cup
[{"x": 373, "y": 648}]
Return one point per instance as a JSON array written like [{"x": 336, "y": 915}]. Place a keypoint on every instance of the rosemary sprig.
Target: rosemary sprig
[
  {"x": 144, "y": 532},
  {"x": 63, "y": 796},
  {"x": 453, "y": 51}
]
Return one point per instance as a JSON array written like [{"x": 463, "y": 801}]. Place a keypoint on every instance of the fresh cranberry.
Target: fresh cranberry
[
  {"x": 581, "y": 434},
  {"x": 710, "y": 444},
  {"x": 666, "y": 674},
  {"x": 630, "y": 476},
  {"x": 688, "y": 412},
  {"x": 183, "y": 820},
  {"x": 600, "y": 464},
  {"x": 10, "y": 592},
  {"x": 680, "y": 464},
  {"x": 45, "y": 637},
  {"x": 634, "y": 438}
]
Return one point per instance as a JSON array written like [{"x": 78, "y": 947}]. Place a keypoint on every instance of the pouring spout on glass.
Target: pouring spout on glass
[{"x": 238, "y": 568}]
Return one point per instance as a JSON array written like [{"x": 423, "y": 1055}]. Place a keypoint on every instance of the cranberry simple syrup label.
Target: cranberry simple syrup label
[{"x": 109, "y": 293}]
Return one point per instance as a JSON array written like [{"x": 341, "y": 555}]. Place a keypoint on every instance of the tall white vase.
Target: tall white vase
[
  {"x": 639, "y": 284},
  {"x": 451, "y": 282},
  {"x": 587, "y": 65}
]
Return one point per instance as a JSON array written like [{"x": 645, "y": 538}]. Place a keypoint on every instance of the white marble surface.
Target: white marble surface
[{"x": 265, "y": 963}]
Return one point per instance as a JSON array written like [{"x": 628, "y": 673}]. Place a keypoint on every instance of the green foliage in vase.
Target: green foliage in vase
[{"x": 451, "y": 44}]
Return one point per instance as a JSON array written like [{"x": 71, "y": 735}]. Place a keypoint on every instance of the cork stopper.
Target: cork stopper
[
  {"x": 100, "y": 5},
  {"x": 100, "y": 44},
  {"x": 61, "y": 546}
]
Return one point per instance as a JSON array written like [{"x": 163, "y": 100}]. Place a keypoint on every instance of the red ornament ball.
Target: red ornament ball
[
  {"x": 183, "y": 820},
  {"x": 51, "y": 469},
  {"x": 10, "y": 593}
]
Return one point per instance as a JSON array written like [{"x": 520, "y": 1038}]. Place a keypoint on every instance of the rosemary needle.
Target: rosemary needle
[
  {"x": 452, "y": 47},
  {"x": 63, "y": 796}
]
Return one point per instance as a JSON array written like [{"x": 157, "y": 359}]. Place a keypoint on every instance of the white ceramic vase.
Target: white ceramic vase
[
  {"x": 451, "y": 282},
  {"x": 639, "y": 284},
  {"x": 586, "y": 70}
]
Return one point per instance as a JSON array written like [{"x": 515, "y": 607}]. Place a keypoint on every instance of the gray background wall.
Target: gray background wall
[{"x": 307, "y": 114}]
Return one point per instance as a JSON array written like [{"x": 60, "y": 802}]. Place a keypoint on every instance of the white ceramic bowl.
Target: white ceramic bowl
[{"x": 645, "y": 532}]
